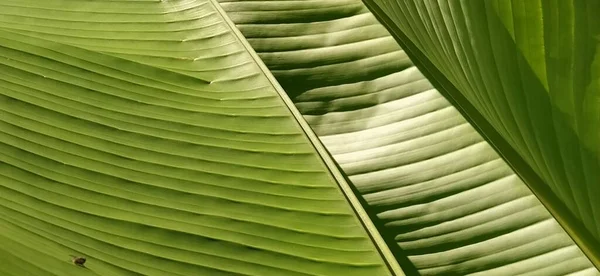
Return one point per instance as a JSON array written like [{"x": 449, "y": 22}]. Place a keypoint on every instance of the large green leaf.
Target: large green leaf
[
  {"x": 163, "y": 148},
  {"x": 527, "y": 74},
  {"x": 148, "y": 137},
  {"x": 444, "y": 200}
]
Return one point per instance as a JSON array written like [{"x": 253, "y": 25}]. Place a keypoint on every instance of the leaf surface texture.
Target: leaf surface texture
[
  {"x": 531, "y": 71},
  {"x": 440, "y": 193},
  {"x": 145, "y": 136}
]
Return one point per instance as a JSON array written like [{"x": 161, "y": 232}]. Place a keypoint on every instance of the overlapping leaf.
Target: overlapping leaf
[
  {"x": 528, "y": 73},
  {"x": 145, "y": 136},
  {"x": 437, "y": 188}
]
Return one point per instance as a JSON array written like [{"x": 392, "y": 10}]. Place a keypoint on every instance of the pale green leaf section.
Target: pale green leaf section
[
  {"x": 531, "y": 71},
  {"x": 146, "y": 137},
  {"x": 440, "y": 193}
]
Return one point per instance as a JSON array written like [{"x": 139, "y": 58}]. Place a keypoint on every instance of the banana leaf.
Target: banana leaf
[
  {"x": 148, "y": 138},
  {"x": 443, "y": 199},
  {"x": 527, "y": 75}
]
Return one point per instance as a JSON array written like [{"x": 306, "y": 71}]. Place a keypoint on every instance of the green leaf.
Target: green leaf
[
  {"x": 527, "y": 74},
  {"x": 149, "y": 138},
  {"x": 440, "y": 195}
]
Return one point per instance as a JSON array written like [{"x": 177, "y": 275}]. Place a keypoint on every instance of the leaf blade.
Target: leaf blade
[
  {"x": 203, "y": 154},
  {"x": 550, "y": 148}
]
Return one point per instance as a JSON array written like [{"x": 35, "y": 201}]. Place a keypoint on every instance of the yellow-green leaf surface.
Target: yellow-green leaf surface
[
  {"x": 440, "y": 195},
  {"x": 147, "y": 137},
  {"x": 527, "y": 73}
]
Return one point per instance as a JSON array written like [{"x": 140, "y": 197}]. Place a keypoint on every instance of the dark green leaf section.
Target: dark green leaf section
[
  {"x": 160, "y": 149},
  {"x": 446, "y": 202},
  {"x": 531, "y": 71}
]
